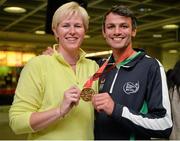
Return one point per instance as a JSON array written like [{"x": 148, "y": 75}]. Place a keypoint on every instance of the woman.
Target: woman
[
  {"x": 47, "y": 101},
  {"x": 174, "y": 92}
]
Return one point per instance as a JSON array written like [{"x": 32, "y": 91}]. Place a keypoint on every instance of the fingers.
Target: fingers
[
  {"x": 98, "y": 102},
  {"x": 103, "y": 102},
  {"x": 48, "y": 51},
  {"x": 75, "y": 99},
  {"x": 72, "y": 95},
  {"x": 71, "y": 98}
]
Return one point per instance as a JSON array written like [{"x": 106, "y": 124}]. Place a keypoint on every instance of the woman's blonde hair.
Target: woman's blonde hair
[{"x": 69, "y": 9}]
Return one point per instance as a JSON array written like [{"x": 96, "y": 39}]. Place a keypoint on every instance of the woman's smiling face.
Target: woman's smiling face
[{"x": 70, "y": 32}]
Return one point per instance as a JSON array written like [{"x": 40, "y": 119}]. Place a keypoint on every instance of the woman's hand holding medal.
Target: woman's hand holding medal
[{"x": 71, "y": 98}]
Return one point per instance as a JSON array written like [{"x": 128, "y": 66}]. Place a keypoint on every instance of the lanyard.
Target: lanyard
[{"x": 98, "y": 73}]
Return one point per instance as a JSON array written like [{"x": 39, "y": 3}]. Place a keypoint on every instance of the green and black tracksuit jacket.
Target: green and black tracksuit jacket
[{"x": 139, "y": 90}]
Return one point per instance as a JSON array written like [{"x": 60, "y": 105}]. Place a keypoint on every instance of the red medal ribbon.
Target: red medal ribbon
[{"x": 98, "y": 73}]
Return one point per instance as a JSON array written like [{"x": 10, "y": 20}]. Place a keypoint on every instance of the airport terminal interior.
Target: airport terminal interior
[{"x": 25, "y": 32}]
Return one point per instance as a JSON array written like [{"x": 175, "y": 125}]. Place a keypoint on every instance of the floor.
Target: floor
[{"x": 5, "y": 131}]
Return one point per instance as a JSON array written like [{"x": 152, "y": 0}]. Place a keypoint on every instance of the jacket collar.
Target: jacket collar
[
  {"x": 61, "y": 59},
  {"x": 132, "y": 62}
]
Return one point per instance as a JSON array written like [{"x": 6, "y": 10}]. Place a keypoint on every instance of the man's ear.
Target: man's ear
[
  {"x": 134, "y": 32},
  {"x": 103, "y": 32}
]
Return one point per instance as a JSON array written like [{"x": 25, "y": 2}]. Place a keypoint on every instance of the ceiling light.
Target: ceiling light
[
  {"x": 170, "y": 26},
  {"x": 157, "y": 35},
  {"x": 173, "y": 51},
  {"x": 87, "y": 36},
  {"x": 40, "y": 32},
  {"x": 14, "y": 9},
  {"x": 101, "y": 53},
  {"x": 145, "y": 9}
]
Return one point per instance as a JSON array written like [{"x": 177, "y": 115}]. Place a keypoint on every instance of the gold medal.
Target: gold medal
[{"x": 87, "y": 93}]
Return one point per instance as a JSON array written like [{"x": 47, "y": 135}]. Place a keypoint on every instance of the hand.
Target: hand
[
  {"x": 48, "y": 51},
  {"x": 71, "y": 98},
  {"x": 103, "y": 102}
]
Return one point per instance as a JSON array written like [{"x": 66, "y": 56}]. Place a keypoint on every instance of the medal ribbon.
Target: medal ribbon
[{"x": 98, "y": 73}]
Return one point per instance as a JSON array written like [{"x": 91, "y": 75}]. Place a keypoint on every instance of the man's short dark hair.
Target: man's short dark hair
[{"x": 122, "y": 11}]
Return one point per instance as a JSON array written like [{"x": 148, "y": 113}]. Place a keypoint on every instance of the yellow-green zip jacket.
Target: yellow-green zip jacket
[{"x": 41, "y": 87}]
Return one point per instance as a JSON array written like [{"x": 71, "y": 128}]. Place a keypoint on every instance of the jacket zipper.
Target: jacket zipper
[{"x": 115, "y": 77}]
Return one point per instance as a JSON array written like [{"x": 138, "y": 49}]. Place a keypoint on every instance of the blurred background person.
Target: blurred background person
[
  {"x": 174, "y": 93},
  {"x": 168, "y": 76},
  {"x": 8, "y": 80}
]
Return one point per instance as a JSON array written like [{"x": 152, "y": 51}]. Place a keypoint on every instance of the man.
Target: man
[{"x": 133, "y": 100}]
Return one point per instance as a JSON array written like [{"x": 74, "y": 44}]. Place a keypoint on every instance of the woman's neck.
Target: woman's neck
[{"x": 70, "y": 56}]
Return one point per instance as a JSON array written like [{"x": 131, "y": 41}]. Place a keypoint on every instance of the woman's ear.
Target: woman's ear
[{"x": 55, "y": 32}]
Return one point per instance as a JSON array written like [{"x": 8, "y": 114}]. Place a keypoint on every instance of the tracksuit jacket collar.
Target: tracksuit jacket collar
[{"x": 132, "y": 62}]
